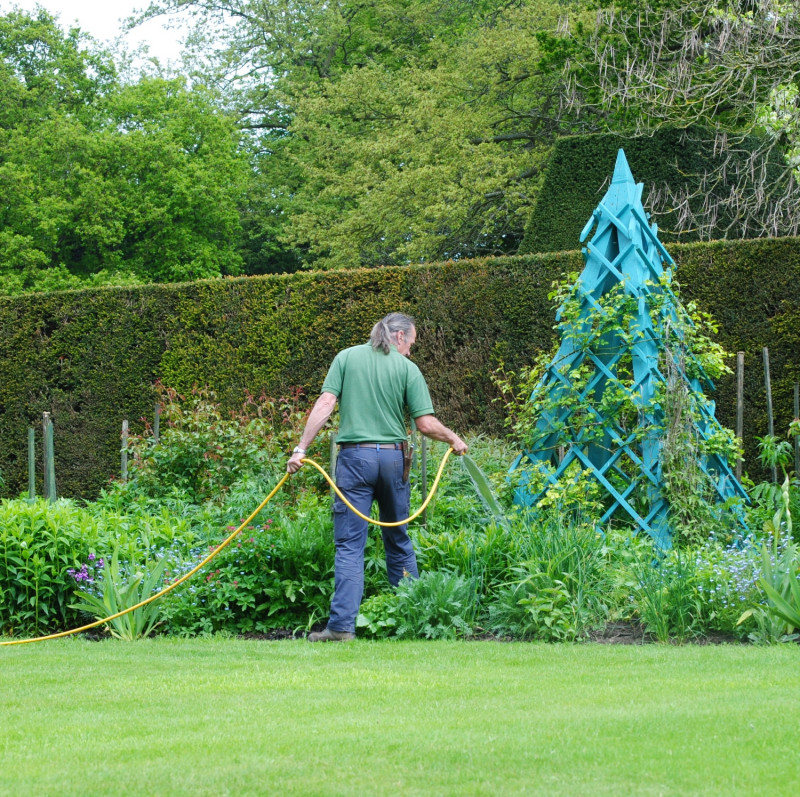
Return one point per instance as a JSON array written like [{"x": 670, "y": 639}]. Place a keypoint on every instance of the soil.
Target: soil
[
  {"x": 635, "y": 634},
  {"x": 611, "y": 634},
  {"x": 272, "y": 636}
]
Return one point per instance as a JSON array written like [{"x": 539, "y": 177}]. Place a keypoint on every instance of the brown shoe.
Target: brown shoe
[{"x": 331, "y": 636}]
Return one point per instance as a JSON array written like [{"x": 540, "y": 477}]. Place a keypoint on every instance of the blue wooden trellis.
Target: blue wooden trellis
[{"x": 624, "y": 256}]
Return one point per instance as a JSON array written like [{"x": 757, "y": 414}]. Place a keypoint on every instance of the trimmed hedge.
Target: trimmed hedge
[
  {"x": 91, "y": 357},
  {"x": 569, "y": 195},
  {"x": 752, "y": 289}
]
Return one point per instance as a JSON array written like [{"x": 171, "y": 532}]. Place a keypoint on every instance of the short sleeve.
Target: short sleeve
[
  {"x": 335, "y": 376},
  {"x": 418, "y": 398}
]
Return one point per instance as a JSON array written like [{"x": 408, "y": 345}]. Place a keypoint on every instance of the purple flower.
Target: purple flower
[{"x": 91, "y": 557}]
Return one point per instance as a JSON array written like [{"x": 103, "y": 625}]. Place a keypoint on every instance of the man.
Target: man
[{"x": 374, "y": 384}]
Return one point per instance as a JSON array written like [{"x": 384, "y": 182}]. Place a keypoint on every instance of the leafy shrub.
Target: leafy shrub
[
  {"x": 464, "y": 533},
  {"x": 39, "y": 542},
  {"x": 477, "y": 552},
  {"x": 277, "y": 575},
  {"x": 201, "y": 453},
  {"x": 378, "y": 615},
  {"x": 784, "y": 598},
  {"x": 666, "y": 595},
  {"x": 537, "y": 607},
  {"x": 114, "y": 591},
  {"x": 557, "y": 579},
  {"x": 726, "y": 577},
  {"x": 777, "y": 614},
  {"x": 437, "y": 605}
]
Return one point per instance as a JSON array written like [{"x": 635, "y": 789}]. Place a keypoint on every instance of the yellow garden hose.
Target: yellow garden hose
[
  {"x": 378, "y": 522},
  {"x": 230, "y": 538}
]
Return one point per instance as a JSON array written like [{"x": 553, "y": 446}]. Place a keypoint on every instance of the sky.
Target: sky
[{"x": 103, "y": 20}]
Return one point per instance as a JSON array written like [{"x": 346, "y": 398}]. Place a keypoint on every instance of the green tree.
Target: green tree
[
  {"x": 393, "y": 130},
  {"x": 402, "y": 130},
  {"x": 110, "y": 182}
]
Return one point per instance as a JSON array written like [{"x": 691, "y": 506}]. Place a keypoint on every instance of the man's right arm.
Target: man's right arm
[
  {"x": 318, "y": 417},
  {"x": 432, "y": 427}
]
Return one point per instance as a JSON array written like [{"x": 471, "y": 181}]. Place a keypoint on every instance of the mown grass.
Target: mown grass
[{"x": 221, "y": 716}]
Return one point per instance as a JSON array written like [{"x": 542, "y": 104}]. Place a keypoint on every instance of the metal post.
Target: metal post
[
  {"x": 333, "y": 461},
  {"x": 739, "y": 407},
  {"x": 770, "y": 419},
  {"x": 797, "y": 437},
  {"x": 156, "y": 422},
  {"x": 424, "y": 477},
  {"x": 123, "y": 472},
  {"x": 49, "y": 491},
  {"x": 31, "y": 465}
]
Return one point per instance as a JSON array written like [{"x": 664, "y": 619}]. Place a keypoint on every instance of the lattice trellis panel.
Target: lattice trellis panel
[{"x": 624, "y": 256}]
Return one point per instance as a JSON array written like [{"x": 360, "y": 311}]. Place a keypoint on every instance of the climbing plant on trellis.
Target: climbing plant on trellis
[{"x": 621, "y": 411}]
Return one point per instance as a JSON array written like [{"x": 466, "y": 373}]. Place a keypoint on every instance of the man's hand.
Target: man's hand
[
  {"x": 459, "y": 446},
  {"x": 294, "y": 464}
]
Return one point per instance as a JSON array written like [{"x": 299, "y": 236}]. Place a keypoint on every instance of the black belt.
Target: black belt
[{"x": 376, "y": 446}]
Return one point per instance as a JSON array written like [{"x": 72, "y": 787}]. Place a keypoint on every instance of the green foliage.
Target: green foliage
[
  {"x": 201, "y": 453},
  {"x": 785, "y": 604},
  {"x": 437, "y": 605},
  {"x": 665, "y": 593},
  {"x": 278, "y": 575},
  {"x": 556, "y": 579},
  {"x": 38, "y": 542},
  {"x": 484, "y": 490},
  {"x": 775, "y": 504},
  {"x": 440, "y": 115},
  {"x": 477, "y": 551},
  {"x": 377, "y": 617},
  {"x": 779, "y": 614},
  {"x": 107, "y": 182},
  {"x": 397, "y": 131},
  {"x": 549, "y": 575},
  {"x": 118, "y": 591},
  {"x": 726, "y": 579},
  {"x": 461, "y": 534},
  {"x": 538, "y": 608}
]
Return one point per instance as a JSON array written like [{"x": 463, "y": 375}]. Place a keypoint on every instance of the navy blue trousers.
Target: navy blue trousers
[{"x": 365, "y": 475}]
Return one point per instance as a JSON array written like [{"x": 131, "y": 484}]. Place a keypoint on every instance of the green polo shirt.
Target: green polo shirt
[{"x": 374, "y": 389}]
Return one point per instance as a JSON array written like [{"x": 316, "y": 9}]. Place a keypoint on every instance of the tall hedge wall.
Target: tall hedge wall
[
  {"x": 569, "y": 194},
  {"x": 91, "y": 357}
]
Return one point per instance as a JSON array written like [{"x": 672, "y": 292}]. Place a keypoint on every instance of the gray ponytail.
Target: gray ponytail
[{"x": 384, "y": 333}]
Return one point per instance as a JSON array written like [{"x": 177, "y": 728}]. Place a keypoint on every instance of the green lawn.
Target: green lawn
[{"x": 214, "y": 717}]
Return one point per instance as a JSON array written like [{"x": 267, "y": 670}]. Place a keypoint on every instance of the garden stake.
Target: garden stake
[
  {"x": 31, "y": 465},
  {"x": 739, "y": 406},
  {"x": 123, "y": 471},
  {"x": 48, "y": 459},
  {"x": 797, "y": 437},
  {"x": 232, "y": 536},
  {"x": 770, "y": 421}
]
